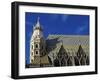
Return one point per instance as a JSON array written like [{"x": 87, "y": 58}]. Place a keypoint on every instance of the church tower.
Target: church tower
[{"x": 38, "y": 54}]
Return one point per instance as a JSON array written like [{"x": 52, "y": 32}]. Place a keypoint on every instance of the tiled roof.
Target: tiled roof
[
  {"x": 69, "y": 39},
  {"x": 70, "y": 42}
]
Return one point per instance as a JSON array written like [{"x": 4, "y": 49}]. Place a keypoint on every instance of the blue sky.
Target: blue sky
[{"x": 66, "y": 24}]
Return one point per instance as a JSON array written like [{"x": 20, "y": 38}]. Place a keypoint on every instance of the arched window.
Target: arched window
[
  {"x": 36, "y": 52},
  {"x": 32, "y": 47},
  {"x": 36, "y": 46}
]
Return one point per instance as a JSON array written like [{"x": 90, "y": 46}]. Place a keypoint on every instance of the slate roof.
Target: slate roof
[{"x": 71, "y": 43}]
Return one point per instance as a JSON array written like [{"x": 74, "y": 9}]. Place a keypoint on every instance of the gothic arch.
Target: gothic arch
[
  {"x": 83, "y": 61},
  {"x": 63, "y": 62},
  {"x": 56, "y": 62},
  {"x": 36, "y": 45},
  {"x": 80, "y": 52},
  {"x": 62, "y": 52},
  {"x": 69, "y": 62},
  {"x": 76, "y": 61}
]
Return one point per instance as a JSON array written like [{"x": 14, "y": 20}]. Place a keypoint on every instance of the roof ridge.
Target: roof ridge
[{"x": 65, "y": 35}]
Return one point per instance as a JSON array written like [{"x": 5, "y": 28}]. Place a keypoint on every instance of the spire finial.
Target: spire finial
[
  {"x": 38, "y": 19},
  {"x": 38, "y": 26},
  {"x": 38, "y": 22}
]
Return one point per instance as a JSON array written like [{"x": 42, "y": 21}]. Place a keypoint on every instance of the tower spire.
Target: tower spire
[
  {"x": 38, "y": 25},
  {"x": 38, "y": 22}
]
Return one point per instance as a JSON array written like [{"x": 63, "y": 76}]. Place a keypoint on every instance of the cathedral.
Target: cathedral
[{"x": 57, "y": 50}]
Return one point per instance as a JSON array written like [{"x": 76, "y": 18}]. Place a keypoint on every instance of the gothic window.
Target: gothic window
[
  {"x": 36, "y": 52},
  {"x": 36, "y": 45},
  {"x": 32, "y": 46}
]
